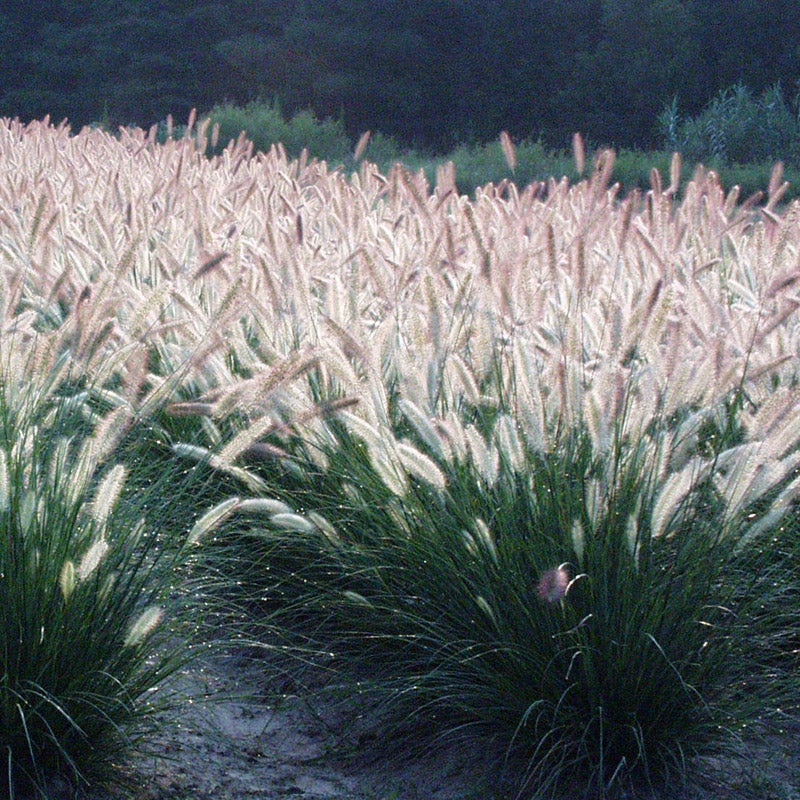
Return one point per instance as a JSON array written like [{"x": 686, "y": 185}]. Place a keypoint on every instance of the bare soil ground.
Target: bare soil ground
[
  {"x": 235, "y": 743},
  {"x": 239, "y": 744}
]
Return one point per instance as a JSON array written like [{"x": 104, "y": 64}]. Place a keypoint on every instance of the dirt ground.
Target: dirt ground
[{"x": 239, "y": 744}]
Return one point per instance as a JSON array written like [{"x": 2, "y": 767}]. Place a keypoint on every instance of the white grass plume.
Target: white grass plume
[
  {"x": 108, "y": 493},
  {"x": 672, "y": 495},
  {"x": 212, "y": 519},
  {"x": 92, "y": 558},
  {"x": 144, "y": 625},
  {"x": 421, "y": 466}
]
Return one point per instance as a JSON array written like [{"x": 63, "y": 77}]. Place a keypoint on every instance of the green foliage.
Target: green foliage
[
  {"x": 475, "y": 165},
  {"x": 633, "y": 168},
  {"x": 265, "y": 125},
  {"x": 736, "y": 127},
  {"x": 478, "y": 165}
]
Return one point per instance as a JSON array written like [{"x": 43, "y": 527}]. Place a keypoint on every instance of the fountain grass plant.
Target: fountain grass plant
[
  {"x": 89, "y": 619},
  {"x": 586, "y": 619},
  {"x": 524, "y": 495}
]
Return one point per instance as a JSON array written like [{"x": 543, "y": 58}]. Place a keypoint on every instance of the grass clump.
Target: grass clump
[
  {"x": 89, "y": 615},
  {"x": 82, "y": 597},
  {"x": 586, "y": 615},
  {"x": 533, "y": 519},
  {"x": 520, "y": 467}
]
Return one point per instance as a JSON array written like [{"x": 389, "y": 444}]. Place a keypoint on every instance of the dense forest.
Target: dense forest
[{"x": 432, "y": 73}]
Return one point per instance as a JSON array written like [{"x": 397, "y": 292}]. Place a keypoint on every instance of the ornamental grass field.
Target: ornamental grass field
[{"x": 518, "y": 471}]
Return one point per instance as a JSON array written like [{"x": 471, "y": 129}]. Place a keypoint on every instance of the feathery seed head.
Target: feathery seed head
[
  {"x": 108, "y": 493},
  {"x": 67, "y": 579},
  {"x": 92, "y": 558},
  {"x": 144, "y": 625},
  {"x": 212, "y": 518}
]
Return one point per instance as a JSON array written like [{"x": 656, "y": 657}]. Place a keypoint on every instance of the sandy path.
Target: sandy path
[
  {"x": 238, "y": 746},
  {"x": 241, "y": 745}
]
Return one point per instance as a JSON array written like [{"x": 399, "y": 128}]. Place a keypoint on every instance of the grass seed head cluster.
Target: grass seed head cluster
[{"x": 521, "y": 451}]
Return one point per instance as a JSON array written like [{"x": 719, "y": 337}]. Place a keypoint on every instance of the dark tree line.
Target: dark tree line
[{"x": 431, "y": 72}]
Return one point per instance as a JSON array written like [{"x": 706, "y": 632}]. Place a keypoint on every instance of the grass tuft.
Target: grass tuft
[
  {"x": 88, "y": 611},
  {"x": 555, "y": 614}
]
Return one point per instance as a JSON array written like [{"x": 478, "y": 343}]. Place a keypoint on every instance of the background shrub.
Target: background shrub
[
  {"x": 265, "y": 125},
  {"x": 481, "y": 164},
  {"x": 736, "y": 127}
]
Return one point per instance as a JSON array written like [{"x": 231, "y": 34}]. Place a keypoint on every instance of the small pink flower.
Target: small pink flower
[{"x": 553, "y": 584}]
